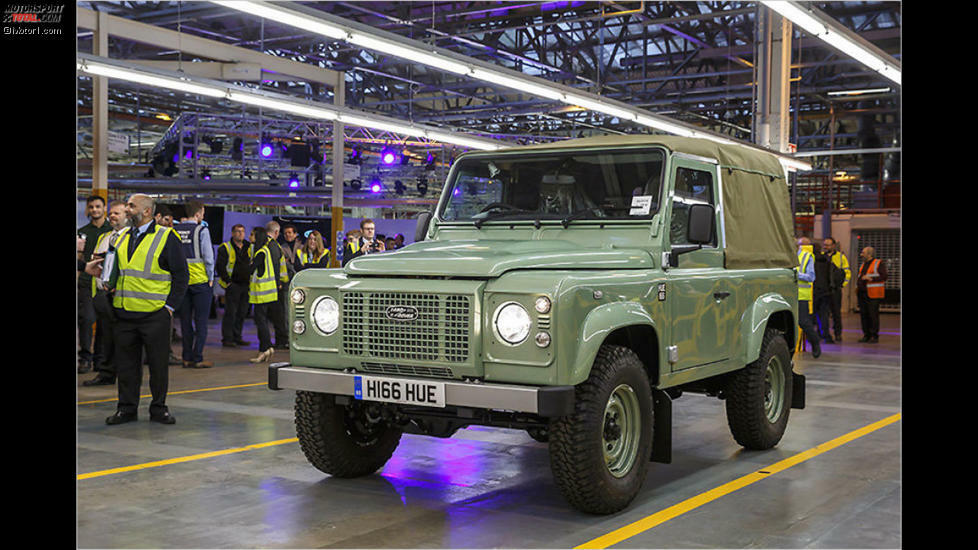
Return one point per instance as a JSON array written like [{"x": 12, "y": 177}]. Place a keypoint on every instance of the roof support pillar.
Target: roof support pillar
[
  {"x": 771, "y": 120},
  {"x": 336, "y": 209},
  {"x": 100, "y": 114}
]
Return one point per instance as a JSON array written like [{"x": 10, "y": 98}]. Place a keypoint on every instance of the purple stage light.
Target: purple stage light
[
  {"x": 388, "y": 157},
  {"x": 189, "y": 155},
  {"x": 375, "y": 188},
  {"x": 266, "y": 150}
]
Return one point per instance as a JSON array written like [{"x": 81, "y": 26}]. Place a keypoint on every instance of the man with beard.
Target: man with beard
[
  {"x": 89, "y": 234},
  {"x": 148, "y": 270},
  {"x": 105, "y": 317}
]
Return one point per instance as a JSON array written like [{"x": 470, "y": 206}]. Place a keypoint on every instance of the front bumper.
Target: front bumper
[{"x": 546, "y": 401}]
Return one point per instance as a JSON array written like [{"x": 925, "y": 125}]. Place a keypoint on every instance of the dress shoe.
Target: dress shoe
[
  {"x": 816, "y": 350},
  {"x": 188, "y": 365},
  {"x": 84, "y": 367},
  {"x": 164, "y": 418},
  {"x": 242, "y": 342},
  {"x": 121, "y": 418},
  {"x": 100, "y": 380},
  {"x": 864, "y": 339},
  {"x": 263, "y": 356},
  {"x": 229, "y": 344},
  {"x": 284, "y": 346},
  {"x": 173, "y": 359},
  {"x": 838, "y": 338},
  {"x": 204, "y": 364},
  {"x": 829, "y": 340},
  {"x": 874, "y": 340}
]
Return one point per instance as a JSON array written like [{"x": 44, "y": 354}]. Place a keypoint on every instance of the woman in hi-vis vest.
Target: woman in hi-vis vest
[{"x": 262, "y": 292}]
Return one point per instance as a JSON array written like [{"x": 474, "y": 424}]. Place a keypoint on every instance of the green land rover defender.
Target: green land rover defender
[{"x": 572, "y": 290}]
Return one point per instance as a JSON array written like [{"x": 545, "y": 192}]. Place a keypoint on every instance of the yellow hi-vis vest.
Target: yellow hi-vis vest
[
  {"x": 189, "y": 234},
  {"x": 98, "y": 244},
  {"x": 263, "y": 290},
  {"x": 304, "y": 257},
  {"x": 840, "y": 261},
  {"x": 231, "y": 259},
  {"x": 142, "y": 284},
  {"x": 804, "y": 287},
  {"x": 283, "y": 270}
]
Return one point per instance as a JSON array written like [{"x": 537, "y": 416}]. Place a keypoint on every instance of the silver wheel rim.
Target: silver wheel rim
[
  {"x": 622, "y": 430},
  {"x": 773, "y": 390}
]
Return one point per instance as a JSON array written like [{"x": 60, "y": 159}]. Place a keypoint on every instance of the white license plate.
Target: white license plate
[{"x": 395, "y": 390}]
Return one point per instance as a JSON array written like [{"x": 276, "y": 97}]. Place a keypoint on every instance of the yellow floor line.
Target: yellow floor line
[
  {"x": 663, "y": 516},
  {"x": 179, "y": 392},
  {"x": 178, "y": 460}
]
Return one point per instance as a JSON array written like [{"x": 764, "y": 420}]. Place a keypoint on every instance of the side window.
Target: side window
[{"x": 692, "y": 187}]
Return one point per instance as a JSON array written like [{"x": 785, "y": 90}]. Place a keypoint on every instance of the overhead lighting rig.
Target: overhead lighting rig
[
  {"x": 111, "y": 68},
  {"x": 364, "y": 36}
]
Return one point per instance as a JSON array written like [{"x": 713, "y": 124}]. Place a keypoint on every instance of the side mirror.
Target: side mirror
[
  {"x": 701, "y": 221},
  {"x": 421, "y": 230}
]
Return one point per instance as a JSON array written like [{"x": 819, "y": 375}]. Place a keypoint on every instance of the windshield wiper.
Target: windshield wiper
[
  {"x": 575, "y": 216},
  {"x": 497, "y": 211}
]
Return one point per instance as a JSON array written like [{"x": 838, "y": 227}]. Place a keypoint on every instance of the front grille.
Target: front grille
[
  {"x": 440, "y": 332},
  {"x": 383, "y": 368}
]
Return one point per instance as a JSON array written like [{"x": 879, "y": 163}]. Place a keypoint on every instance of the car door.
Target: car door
[{"x": 699, "y": 296}]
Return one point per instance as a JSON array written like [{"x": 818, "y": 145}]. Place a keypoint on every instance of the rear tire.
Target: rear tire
[
  {"x": 758, "y": 396},
  {"x": 341, "y": 440},
  {"x": 600, "y": 454}
]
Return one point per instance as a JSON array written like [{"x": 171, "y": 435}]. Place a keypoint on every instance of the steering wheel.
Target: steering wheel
[{"x": 501, "y": 205}]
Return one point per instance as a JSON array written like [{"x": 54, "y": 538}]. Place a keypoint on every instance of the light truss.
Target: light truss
[
  {"x": 100, "y": 66},
  {"x": 364, "y": 36}
]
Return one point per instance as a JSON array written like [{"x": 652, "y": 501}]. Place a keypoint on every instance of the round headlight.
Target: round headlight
[
  {"x": 298, "y": 296},
  {"x": 299, "y": 326},
  {"x": 512, "y": 323},
  {"x": 542, "y": 305},
  {"x": 326, "y": 314}
]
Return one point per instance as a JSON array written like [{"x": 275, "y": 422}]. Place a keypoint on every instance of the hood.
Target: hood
[{"x": 492, "y": 258}]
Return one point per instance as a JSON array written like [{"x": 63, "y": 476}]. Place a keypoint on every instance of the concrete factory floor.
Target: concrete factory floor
[{"x": 230, "y": 474}]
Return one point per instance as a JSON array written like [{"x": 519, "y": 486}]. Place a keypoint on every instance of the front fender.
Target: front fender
[
  {"x": 599, "y": 323},
  {"x": 755, "y": 321}
]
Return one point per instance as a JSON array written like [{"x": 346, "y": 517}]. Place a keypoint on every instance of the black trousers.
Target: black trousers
[
  {"x": 131, "y": 336},
  {"x": 261, "y": 323},
  {"x": 86, "y": 318},
  {"x": 235, "y": 310},
  {"x": 276, "y": 312},
  {"x": 835, "y": 308},
  {"x": 806, "y": 321},
  {"x": 105, "y": 329},
  {"x": 822, "y": 307},
  {"x": 869, "y": 314}
]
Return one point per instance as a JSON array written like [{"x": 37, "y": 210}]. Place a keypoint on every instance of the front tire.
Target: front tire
[
  {"x": 342, "y": 440},
  {"x": 759, "y": 395},
  {"x": 600, "y": 454}
]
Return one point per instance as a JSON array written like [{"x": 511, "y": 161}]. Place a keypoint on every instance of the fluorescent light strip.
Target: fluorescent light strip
[
  {"x": 286, "y": 18},
  {"x": 820, "y": 30},
  {"x": 279, "y": 105},
  {"x": 150, "y": 80},
  {"x": 132, "y": 75},
  {"x": 860, "y": 92},
  {"x": 410, "y": 54}
]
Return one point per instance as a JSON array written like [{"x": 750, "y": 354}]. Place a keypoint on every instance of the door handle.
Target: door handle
[{"x": 720, "y": 295}]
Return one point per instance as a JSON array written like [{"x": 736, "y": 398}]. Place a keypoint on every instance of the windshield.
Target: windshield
[{"x": 607, "y": 185}]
